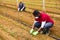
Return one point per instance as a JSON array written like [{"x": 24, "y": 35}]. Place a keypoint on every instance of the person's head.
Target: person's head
[
  {"x": 36, "y": 13},
  {"x": 21, "y": 2}
]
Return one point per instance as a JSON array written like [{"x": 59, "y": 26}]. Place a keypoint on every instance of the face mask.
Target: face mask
[{"x": 36, "y": 17}]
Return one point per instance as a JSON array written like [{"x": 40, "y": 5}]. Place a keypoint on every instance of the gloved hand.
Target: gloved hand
[
  {"x": 31, "y": 31},
  {"x": 35, "y": 33}
]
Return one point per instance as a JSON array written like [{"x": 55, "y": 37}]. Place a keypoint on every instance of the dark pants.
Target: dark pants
[{"x": 47, "y": 26}]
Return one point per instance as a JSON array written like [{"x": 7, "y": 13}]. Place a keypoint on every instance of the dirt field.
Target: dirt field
[{"x": 15, "y": 25}]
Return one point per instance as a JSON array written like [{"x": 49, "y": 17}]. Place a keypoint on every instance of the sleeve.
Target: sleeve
[
  {"x": 22, "y": 6},
  {"x": 34, "y": 22},
  {"x": 36, "y": 18},
  {"x": 44, "y": 19},
  {"x": 43, "y": 23}
]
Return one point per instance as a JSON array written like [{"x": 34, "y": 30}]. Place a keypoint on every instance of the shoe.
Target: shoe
[
  {"x": 44, "y": 31},
  {"x": 48, "y": 33},
  {"x": 41, "y": 32}
]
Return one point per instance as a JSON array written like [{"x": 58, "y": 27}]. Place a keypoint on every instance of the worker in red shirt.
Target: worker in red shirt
[{"x": 42, "y": 21}]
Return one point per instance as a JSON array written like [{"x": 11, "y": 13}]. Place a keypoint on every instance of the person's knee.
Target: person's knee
[
  {"x": 24, "y": 8},
  {"x": 48, "y": 25}
]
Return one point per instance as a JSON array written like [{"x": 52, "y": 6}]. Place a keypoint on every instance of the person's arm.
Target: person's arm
[
  {"x": 33, "y": 27},
  {"x": 42, "y": 25},
  {"x": 22, "y": 8},
  {"x": 34, "y": 22},
  {"x": 19, "y": 7}
]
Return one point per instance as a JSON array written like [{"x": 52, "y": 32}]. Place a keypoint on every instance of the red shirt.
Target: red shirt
[{"x": 44, "y": 17}]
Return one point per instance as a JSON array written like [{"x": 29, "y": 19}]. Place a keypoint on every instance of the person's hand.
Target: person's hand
[
  {"x": 18, "y": 9},
  {"x": 35, "y": 33},
  {"x": 31, "y": 31}
]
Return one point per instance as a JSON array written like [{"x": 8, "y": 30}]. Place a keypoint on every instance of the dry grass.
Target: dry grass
[
  {"x": 25, "y": 17},
  {"x": 13, "y": 31}
]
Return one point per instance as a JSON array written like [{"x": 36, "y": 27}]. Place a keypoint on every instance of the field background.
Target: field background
[{"x": 15, "y": 25}]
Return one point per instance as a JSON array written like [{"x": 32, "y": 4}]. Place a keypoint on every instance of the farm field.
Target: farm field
[{"x": 15, "y": 25}]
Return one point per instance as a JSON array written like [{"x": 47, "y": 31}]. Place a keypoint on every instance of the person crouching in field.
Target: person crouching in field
[
  {"x": 42, "y": 22},
  {"x": 21, "y": 6}
]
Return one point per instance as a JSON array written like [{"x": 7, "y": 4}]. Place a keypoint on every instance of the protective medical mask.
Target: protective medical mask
[{"x": 36, "y": 17}]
